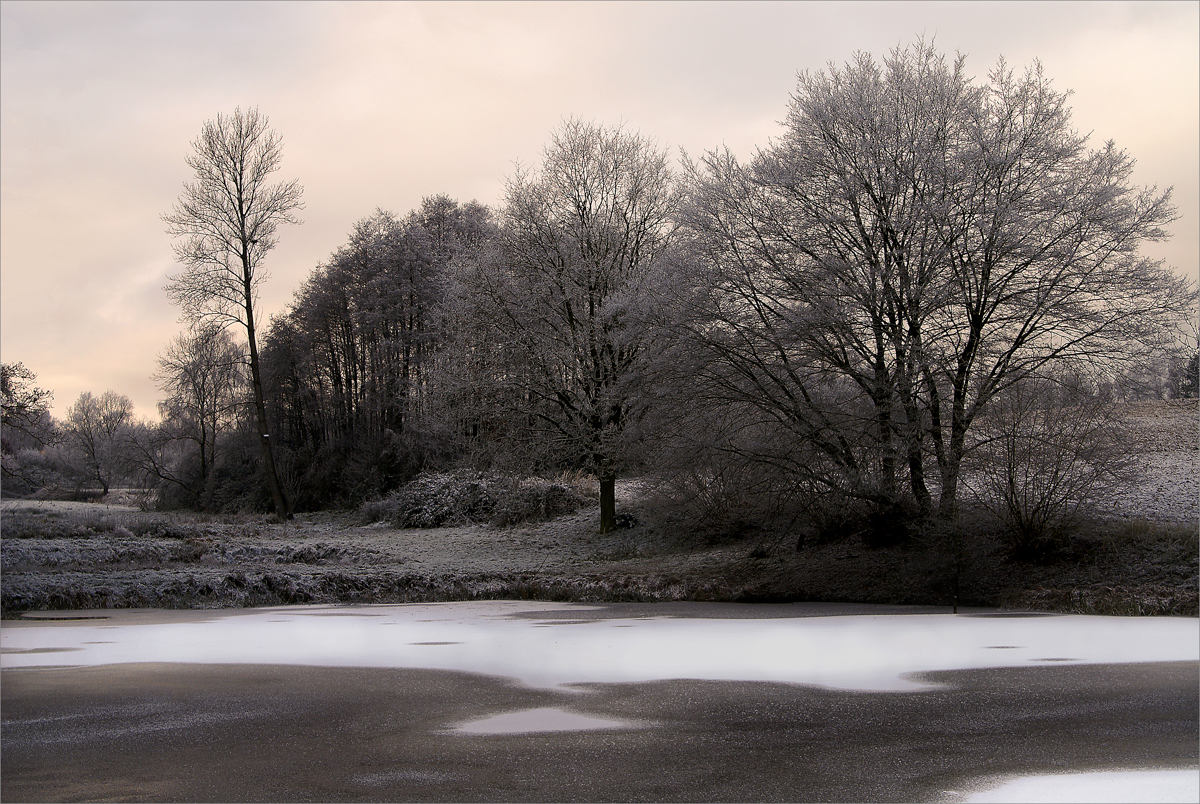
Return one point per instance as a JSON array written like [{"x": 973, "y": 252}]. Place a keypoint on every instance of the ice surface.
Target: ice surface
[
  {"x": 544, "y": 645},
  {"x": 1110, "y": 786},
  {"x": 509, "y": 639}
]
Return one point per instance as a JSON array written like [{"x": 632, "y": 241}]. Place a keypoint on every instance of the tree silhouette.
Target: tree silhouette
[{"x": 225, "y": 223}]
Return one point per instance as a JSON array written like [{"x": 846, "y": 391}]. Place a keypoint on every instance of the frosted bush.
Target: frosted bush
[{"x": 436, "y": 500}]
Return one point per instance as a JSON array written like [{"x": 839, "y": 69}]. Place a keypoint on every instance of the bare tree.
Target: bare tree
[
  {"x": 820, "y": 270},
  {"x": 1183, "y": 358},
  {"x": 353, "y": 368},
  {"x": 926, "y": 242},
  {"x": 202, "y": 374},
  {"x": 1044, "y": 460},
  {"x": 578, "y": 240},
  {"x": 225, "y": 223},
  {"x": 26, "y": 423},
  {"x": 25, "y": 406},
  {"x": 97, "y": 430},
  {"x": 1041, "y": 237},
  {"x": 1189, "y": 383}
]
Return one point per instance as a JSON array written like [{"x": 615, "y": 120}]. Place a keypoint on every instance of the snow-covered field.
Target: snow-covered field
[
  {"x": 1169, "y": 490},
  {"x": 1167, "y": 435}
]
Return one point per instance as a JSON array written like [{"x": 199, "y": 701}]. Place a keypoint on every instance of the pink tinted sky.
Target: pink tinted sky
[{"x": 382, "y": 104}]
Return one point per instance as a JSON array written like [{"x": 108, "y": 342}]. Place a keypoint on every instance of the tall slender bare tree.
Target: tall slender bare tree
[{"x": 224, "y": 224}]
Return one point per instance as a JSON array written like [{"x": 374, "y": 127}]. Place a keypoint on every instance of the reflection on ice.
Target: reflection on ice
[
  {"x": 1112, "y": 786},
  {"x": 577, "y": 644},
  {"x": 535, "y": 720}
]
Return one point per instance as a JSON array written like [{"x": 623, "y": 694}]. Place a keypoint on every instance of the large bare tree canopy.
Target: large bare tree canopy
[
  {"x": 224, "y": 224},
  {"x": 916, "y": 243}
]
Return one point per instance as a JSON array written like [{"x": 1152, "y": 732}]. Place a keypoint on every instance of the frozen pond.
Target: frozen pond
[
  {"x": 556, "y": 645},
  {"x": 561, "y": 647}
]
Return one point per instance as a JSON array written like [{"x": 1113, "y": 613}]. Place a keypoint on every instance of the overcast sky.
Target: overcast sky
[{"x": 383, "y": 104}]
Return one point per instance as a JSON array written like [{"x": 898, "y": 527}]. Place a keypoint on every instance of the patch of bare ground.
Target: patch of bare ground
[{"x": 1138, "y": 557}]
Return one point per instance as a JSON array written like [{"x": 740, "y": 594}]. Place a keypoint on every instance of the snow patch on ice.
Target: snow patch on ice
[
  {"x": 1107, "y": 786},
  {"x": 538, "y": 720}
]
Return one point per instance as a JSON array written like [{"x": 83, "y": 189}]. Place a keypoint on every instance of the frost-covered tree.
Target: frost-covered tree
[
  {"x": 914, "y": 244},
  {"x": 1189, "y": 386},
  {"x": 97, "y": 430},
  {"x": 26, "y": 407},
  {"x": 579, "y": 237},
  {"x": 350, "y": 369},
  {"x": 26, "y": 423},
  {"x": 202, "y": 373}
]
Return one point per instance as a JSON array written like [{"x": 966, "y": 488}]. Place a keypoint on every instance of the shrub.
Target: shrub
[
  {"x": 1119, "y": 540},
  {"x": 1044, "y": 463},
  {"x": 536, "y": 502},
  {"x": 722, "y": 503},
  {"x": 458, "y": 498}
]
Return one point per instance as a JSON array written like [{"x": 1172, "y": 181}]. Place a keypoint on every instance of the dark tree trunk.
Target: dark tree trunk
[
  {"x": 260, "y": 410},
  {"x": 608, "y": 503}
]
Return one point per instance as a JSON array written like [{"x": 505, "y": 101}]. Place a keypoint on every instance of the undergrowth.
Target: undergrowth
[
  {"x": 462, "y": 498},
  {"x": 20, "y": 522},
  {"x": 114, "y": 557}
]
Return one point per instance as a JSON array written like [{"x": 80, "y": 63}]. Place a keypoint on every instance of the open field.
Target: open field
[{"x": 1138, "y": 557}]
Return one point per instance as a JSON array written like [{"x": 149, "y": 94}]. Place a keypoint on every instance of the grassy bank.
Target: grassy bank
[{"x": 74, "y": 556}]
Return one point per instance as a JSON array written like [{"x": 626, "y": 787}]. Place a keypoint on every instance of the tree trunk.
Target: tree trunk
[
  {"x": 281, "y": 509},
  {"x": 916, "y": 472},
  {"x": 948, "y": 504},
  {"x": 260, "y": 410},
  {"x": 608, "y": 503}
]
